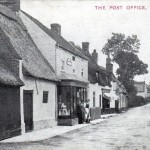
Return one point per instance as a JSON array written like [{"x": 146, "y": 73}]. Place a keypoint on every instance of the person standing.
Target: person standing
[
  {"x": 83, "y": 111},
  {"x": 79, "y": 112},
  {"x": 87, "y": 115}
]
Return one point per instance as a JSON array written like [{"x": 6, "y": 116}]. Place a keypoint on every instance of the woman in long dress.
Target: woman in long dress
[{"x": 87, "y": 114}]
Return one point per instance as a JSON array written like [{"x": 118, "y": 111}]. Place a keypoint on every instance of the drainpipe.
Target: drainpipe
[
  {"x": 21, "y": 100},
  {"x": 56, "y": 87},
  {"x": 56, "y": 46}
]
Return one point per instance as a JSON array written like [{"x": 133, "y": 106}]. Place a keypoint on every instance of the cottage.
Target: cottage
[
  {"x": 10, "y": 83},
  {"x": 70, "y": 64},
  {"x": 38, "y": 95}
]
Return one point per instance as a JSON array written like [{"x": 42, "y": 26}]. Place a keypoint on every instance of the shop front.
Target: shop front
[{"x": 70, "y": 95}]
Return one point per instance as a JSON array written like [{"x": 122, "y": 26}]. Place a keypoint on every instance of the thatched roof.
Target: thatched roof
[
  {"x": 11, "y": 15},
  {"x": 7, "y": 52},
  {"x": 6, "y": 48},
  {"x": 7, "y": 76},
  {"x": 34, "y": 63},
  {"x": 12, "y": 4},
  {"x": 57, "y": 37}
]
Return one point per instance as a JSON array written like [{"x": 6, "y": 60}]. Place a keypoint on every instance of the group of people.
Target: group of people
[{"x": 83, "y": 112}]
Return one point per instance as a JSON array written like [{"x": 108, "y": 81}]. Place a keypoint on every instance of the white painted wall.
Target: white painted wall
[
  {"x": 42, "y": 111},
  {"x": 98, "y": 91},
  {"x": 70, "y": 65},
  {"x": 113, "y": 94}
]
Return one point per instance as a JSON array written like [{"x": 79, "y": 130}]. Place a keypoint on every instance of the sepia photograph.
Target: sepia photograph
[{"x": 74, "y": 75}]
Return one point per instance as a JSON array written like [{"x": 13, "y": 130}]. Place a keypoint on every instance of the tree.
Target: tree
[
  {"x": 124, "y": 52},
  {"x": 119, "y": 42}
]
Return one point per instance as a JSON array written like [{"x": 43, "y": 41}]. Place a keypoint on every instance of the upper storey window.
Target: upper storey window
[
  {"x": 63, "y": 65},
  {"x": 82, "y": 73}
]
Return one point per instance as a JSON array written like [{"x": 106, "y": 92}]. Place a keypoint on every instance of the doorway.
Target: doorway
[
  {"x": 28, "y": 109},
  {"x": 116, "y": 105}
]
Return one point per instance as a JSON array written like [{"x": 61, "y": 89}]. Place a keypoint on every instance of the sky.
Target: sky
[{"x": 82, "y": 21}]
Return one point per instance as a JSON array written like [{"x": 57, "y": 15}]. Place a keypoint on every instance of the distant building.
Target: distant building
[{"x": 142, "y": 89}]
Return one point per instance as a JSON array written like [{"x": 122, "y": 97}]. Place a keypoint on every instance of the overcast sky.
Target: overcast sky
[{"x": 82, "y": 22}]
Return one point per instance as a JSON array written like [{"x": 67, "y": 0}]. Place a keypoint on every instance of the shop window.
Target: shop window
[
  {"x": 73, "y": 58},
  {"x": 64, "y": 101},
  {"x": 68, "y": 99},
  {"x": 93, "y": 99},
  {"x": 45, "y": 96}
]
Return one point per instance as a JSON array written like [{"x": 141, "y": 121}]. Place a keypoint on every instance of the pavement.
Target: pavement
[{"x": 52, "y": 132}]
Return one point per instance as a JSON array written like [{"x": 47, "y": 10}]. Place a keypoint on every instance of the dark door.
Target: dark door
[
  {"x": 116, "y": 105},
  {"x": 28, "y": 110}
]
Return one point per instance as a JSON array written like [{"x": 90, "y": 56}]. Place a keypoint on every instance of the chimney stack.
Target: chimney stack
[
  {"x": 109, "y": 65},
  {"x": 14, "y": 5},
  {"x": 56, "y": 27},
  {"x": 95, "y": 56},
  {"x": 85, "y": 46}
]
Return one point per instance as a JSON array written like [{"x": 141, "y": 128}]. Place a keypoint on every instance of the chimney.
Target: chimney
[
  {"x": 109, "y": 65},
  {"x": 95, "y": 56},
  {"x": 56, "y": 27},
  {"x": 12, "y": 4},
  {"x": 85, "y": 46}
]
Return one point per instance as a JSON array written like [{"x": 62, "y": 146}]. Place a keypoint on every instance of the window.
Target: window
[
  {"x": 63, "y": 65},
  {"x": 100, "y": 100},
  {"x": 45, "y": 96},
  {"x": 74, "y": 70},
  {"x": 64, "y": 101},
  {"x": 93, "y": 99},
  {"x": 73, "y": 58},
  {"x": 82, "y": 73}
]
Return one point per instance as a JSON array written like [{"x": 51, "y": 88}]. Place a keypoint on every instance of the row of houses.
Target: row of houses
[{"x": 43, "y": 77}]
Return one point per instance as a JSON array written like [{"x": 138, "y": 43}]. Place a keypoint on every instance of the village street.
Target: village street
[{"x": 126, "y": 131}]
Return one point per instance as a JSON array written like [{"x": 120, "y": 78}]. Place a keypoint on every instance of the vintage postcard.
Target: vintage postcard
[{"x": 74, "y": 74}]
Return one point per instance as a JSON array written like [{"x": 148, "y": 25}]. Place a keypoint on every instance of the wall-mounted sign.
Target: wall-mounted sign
[{"x": 69, "y": 62}]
